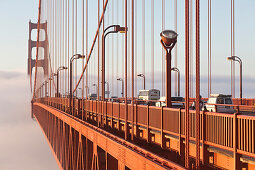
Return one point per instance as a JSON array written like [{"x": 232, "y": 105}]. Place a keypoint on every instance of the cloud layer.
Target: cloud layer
[{"x": 22, "y": 143}]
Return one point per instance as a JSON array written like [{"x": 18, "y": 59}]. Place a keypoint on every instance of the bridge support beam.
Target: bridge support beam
[{"x": 108, "y": 152}]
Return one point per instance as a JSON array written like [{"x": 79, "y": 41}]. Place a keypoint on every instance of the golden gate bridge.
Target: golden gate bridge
[{"x": 84, "y": 48}]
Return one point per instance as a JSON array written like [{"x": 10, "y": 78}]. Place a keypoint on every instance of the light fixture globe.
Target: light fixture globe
[{"x": 168, "y": 37}]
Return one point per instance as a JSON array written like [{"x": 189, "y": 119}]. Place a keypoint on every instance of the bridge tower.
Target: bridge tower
[{"x": 43, "y": 44}]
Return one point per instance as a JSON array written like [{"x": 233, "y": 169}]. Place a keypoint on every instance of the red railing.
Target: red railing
[{"x": 217, "y": 129}]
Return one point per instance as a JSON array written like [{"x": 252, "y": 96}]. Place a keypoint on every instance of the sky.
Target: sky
[
  {"x": 221, "y": 43},
  {"x": 22, "y": 143}
]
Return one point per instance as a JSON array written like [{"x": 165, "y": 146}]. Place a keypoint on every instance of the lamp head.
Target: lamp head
[
  {"x": 230, "y": 58},
  {"x": 140, "y": 75},
  {"x": 120, "y": 29},
  {"x": 80, "y": 56},
  {"x": 168, "y": 37}
]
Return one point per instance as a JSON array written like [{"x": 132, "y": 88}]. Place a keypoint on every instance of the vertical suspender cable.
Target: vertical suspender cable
[
  {"x": 191, "y": 48},
  {"x": 92, "y": 47},
  {"x": 63, "y": 45},
  {"x": 135, "y": 39},
  {"x": 232, "y": 48},
  {"x": 152, "y": 43},
  {"x": 123, "y": 41},
  {"x": 83, "y": 52},
  {"x": 87, "y": 72},
  {"x": 66, "y": 54},
  {"x": 68, "y": 43},
  {"x": 113, "y": 53},
  {"x": 176, "y": 49},
  {"x": 103, "y": 69},
  {"x": 197, "y": 84},
  {"x": 126, "y": 106},
  {"x": 143, "y": 37},
  {"x": 76, "y": 27},
  {"x": 163, "y": 51},
  {"x": 132, "y": 54},
  {"x": 187, "y": 83},
  {"x": 117, "y": 45},
  {"x": 209, "y": 48},
  {"x": 108, "y": 52},
  {"x": 98, "y": 62},
  {"x": 72, "y": 32}
]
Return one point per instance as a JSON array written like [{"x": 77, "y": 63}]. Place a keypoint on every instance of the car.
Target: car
[
  {"x": 224, "y": 101},
  {"x": 114, "y": 99},
  {"x": 93, "y": 96}
]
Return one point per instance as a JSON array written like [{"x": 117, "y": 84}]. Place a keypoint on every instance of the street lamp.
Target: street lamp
[
  {"x": 87, "y": 88},
  {"x": 122, "y": 93},
  {"x": 116, "y": 29},
  {"x": 108, "y": 92},
  {"x": 178, "y": 72},
  {"x": 58, "y": 70},
  {"x": 143, "y": 76},
  {"x": 168, "y": 41},
  {"x": 95, "y": 85},
  {"x": 238, "y": 59},
  {"x": 45, "y": 88},
  {"x": 74, "y": 57}
]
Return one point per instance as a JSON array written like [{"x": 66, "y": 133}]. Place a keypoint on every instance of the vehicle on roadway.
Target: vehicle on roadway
[
  {"x": 148, "y": 97},
  {"x": 93, "y": 96},
  {"x": 177, "y": 102},
  {"x": 220, "y": 103}
]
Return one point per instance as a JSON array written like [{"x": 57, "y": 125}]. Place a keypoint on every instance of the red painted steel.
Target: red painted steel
[
  {"x": 218, "y": 130},
  {"x": 136, "y": 157}
]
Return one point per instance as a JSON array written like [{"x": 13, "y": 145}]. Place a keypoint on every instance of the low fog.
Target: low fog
[{"x": 22, "y": 143}]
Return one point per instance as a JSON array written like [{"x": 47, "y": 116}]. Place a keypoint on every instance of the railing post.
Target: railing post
[
  {"x": 148, "y": 124},
  {"x": 237, "y": 163},
  {"x": 112, "y": 116},
  {"x": 205, "y": 158},
  {"x": 119, "y": 118},
  {"x": 106, "y": 121},
  {"x": 162, "y": 133}
]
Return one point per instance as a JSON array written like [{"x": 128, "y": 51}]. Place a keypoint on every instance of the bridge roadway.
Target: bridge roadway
[{"x": 226, "y": 140}]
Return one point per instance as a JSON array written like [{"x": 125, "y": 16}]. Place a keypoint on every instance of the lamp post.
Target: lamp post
[
  {"x": 108, "y": 92},
  {"x": 45, "y": 85},
  {"x": 54, "y": 75},
  {"x": 95, "y": 85},
  {"x": 50, "y": 78},
  {"x": 122, "y": 93},
  {"x": 74, "y": 57},
  {"x": 168, "y": 41},
  {"x": 87, "y": 88},
  {"x": 58, "y": 70},
  {"x": 178, "y": 72},
  {"x": 117, "y": 28},
  {"x": 143, "y": 76},
  {"x": 238, "y": 59}
]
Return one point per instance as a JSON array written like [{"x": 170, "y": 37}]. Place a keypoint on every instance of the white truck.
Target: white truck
[
  {"x": 147, "y": 97},
  {"x": 225, "y": 100}
]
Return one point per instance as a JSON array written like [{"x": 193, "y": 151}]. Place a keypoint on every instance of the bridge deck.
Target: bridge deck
[{"x": 164, "y": 129}]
